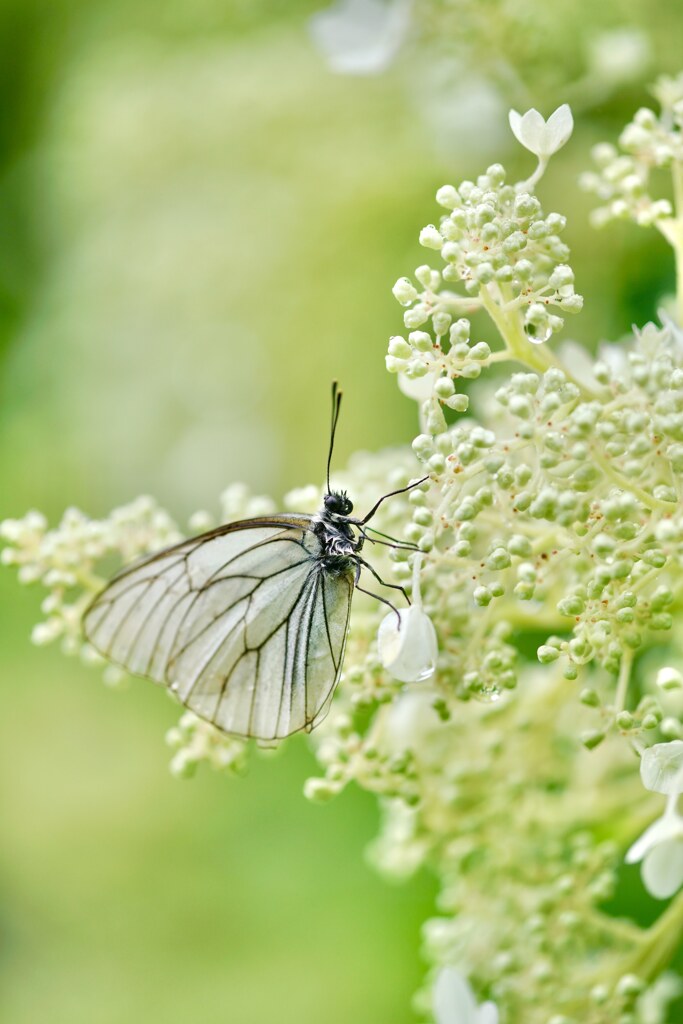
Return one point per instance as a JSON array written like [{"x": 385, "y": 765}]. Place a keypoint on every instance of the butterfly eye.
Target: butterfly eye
[{"x": 339, "y": 504}]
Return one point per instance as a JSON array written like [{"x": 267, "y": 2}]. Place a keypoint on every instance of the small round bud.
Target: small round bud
[
  {"x": 404, "y": 291},
  {"x": 447, "y": 196},
  {"x": 431, "y": 237}
]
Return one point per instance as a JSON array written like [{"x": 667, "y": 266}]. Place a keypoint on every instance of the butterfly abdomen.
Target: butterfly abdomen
[{"x": 336, "y": 565}]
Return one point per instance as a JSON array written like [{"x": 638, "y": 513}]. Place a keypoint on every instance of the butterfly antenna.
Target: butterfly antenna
[{"x": 336, "y": 403}]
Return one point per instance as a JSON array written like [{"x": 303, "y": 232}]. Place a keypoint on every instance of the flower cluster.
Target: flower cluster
[
  {"x": 499, "y": 718},
  {"x": 504, "y": 255},
  {"x": 498, "y": 246},
  {"x": 65, "y": 561},
  {"x": 621, "y": 180},
  {"x": 196, "y": 741}
]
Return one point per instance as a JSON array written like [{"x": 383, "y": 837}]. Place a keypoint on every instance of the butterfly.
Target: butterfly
[{"x": 245, "y": 624}]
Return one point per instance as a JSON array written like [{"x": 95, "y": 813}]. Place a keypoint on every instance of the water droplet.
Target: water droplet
[
  {"x": 487, "y": 694},
  {"x": 537, "y": 335}
]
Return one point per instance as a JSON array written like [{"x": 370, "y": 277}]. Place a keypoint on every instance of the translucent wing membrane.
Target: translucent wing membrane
[{"x": 242, "y": 623}]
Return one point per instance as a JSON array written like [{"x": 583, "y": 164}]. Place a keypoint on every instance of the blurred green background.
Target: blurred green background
[{"x": 199, "y": 228}]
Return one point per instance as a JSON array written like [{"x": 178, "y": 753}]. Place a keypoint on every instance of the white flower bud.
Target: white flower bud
[
  {"x": 393, "y": 364},
  {"x": 562, "y": 278},
  {"x": 416, "y": 316},
  {"x": 404, "y": 291},
  {"x": 399, "y": 347},
  {"x": 421, "y": 341},
  {"x": 431, "y": 238},
  {"x": 448, "y": 197},
  {"x": 669, "y": 678},
  {"x": 46, "y": 632},
  {"x": 200, "y": 522}
]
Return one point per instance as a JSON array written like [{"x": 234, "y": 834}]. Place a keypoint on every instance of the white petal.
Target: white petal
[
  {"x": 559, "y": 127},
  {"x": 619, "y": 55},
  {"x": 533, "y": 131},
  {"x": 408, "y": 653},
  {"x": 515, "y": 120},
  {"x": 361, "y": 37},
  {"x": 669, "y": 826},
  {"x": 615, "y": 358},
  {"x": 661, "y": 767},
  {"x": 576, "y": 356},
  {"x": 453, "y": 1001},
  {"x": 488, "y": 1014},
  {"x": 662, "y": 869},
  {"x": 418, "y": 388}
]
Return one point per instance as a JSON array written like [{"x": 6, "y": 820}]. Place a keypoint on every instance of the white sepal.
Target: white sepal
[
  {"x": 418, "y": 388},
  {"x": 540, "y": 136},
  {"x": 661, "y": 767},
  {"x": 662, "y": 869},
  {"x": 408, "y": 651},
  {"x": 406, "y": 639},
  {"x": 660, "y": 848},
  {"x": 454, "y": 1002},
  {"x": 361, "y": 37}
]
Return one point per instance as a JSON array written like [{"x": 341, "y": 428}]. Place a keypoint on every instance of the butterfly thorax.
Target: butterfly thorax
[{"x": 340, "y": 545}]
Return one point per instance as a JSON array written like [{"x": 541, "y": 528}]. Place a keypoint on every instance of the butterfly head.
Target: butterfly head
[{"x": 338, "y": 503}]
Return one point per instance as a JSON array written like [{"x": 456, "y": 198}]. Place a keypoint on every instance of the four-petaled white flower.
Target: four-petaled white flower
[
  {"x": 661, "y": 767},
  {"x": 406, "y": 639},
  {"x": 660, "y": 847},
  {"x": 540, "y": 136},
  {"x": 454, "y": 1002},
  {"x": 361, "y": 37}
]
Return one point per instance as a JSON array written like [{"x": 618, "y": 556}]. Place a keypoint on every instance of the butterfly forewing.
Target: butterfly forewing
[{"x": 244, "y": 624}]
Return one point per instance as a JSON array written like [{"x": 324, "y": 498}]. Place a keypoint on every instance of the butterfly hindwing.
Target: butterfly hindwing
[{"x": 243, "y": 623}]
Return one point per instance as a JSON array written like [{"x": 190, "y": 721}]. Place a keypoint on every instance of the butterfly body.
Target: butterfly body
[
  {"x": 335, "y": 530},
  {"x": 245, "y": 624}
]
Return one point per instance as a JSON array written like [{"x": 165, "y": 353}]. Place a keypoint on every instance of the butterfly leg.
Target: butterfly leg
[
  {"x": 392, "y": 586},
  {"x": 388, "y": 542},
  {"x": 377, "y": 597},
  {"x": 401, "y": 490}
]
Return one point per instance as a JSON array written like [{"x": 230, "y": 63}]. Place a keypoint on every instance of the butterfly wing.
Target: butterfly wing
[{"x": 243, "y": 624}]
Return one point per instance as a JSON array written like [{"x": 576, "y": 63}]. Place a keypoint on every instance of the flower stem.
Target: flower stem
[
  {"x": 622, "y": 684},
  {"x": 672, "y": 229},
  {"x": 660, "y": 943},
  {"x": 518, "y": 347}
]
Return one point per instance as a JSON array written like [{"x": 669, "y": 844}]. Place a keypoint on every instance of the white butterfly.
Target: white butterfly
[{"x": 246, "y": 624}]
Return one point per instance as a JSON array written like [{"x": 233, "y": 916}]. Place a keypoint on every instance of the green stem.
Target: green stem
[
  {"x": 660, "y": 943},
  {"x": 622, "y": 684},
  {"x": 518, "y": 347}
]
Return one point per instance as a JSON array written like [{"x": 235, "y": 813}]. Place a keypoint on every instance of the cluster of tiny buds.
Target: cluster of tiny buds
[
  {"x": 622, "y": 176},
  {"x": 523, "y": 966},
  {"x": 348, "y": 757},
  {"x": 568, "y": 502},
  {"x": 195, "y": 741},
  {"x": 65, "y": 560},
  {"x": 497, "y": 244}
]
